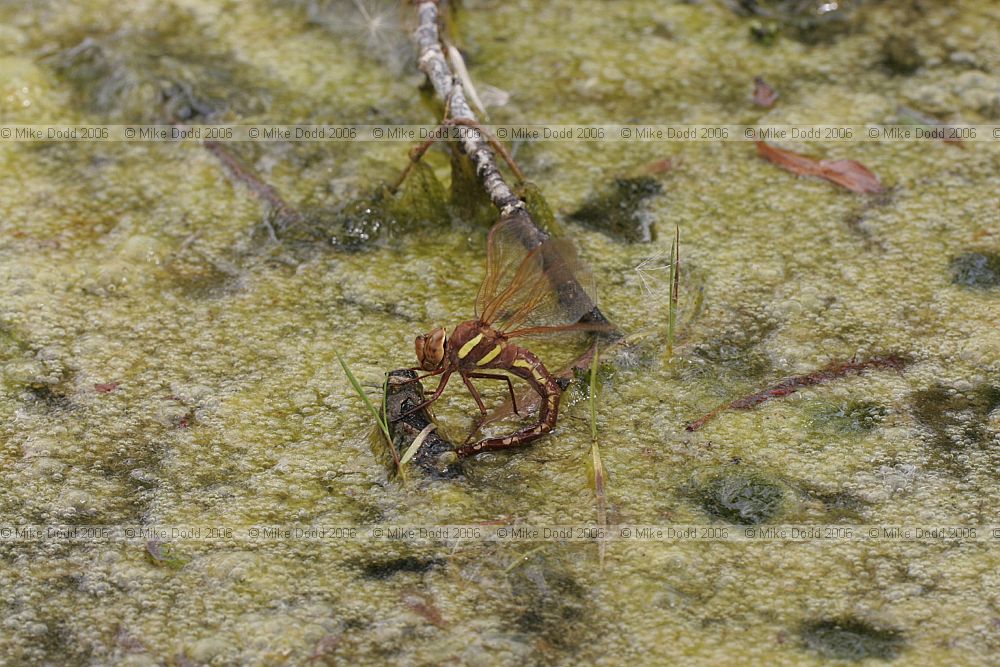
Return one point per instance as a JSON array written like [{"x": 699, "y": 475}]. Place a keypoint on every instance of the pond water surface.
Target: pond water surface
[{"x": 166, "y": 363}]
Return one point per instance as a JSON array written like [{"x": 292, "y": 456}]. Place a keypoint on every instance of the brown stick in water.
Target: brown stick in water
[{"x": 832, "y": 371}]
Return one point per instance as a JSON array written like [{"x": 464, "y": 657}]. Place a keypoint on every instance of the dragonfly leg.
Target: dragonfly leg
[
  {"x": 435, "y": 396},
  {"x": 510, "y": 386},
  {"x": 474, "y": 392},
  {"x": 421, "y": 377}
]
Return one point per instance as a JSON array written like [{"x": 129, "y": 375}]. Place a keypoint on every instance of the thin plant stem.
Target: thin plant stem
[
  {"x": 595, "y": 453},
  {"x": 675, "y": 258}
]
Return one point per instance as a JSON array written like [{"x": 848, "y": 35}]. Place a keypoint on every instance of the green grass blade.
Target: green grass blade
[
  {"x": 595, "y": 452},
  {"x": 593, "y": 393},
  {"x": 364, "y": 397},
  {"x": 675, "y": 251}
]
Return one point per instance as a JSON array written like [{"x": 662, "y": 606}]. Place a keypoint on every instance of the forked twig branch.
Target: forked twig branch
[{"x": 434, "y": 64}]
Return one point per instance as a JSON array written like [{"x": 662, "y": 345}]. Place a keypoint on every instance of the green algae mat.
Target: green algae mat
[{"x": 171, "y": 319}]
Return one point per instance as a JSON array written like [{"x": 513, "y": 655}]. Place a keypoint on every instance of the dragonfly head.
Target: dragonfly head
[{"x": 430, "y": 349}]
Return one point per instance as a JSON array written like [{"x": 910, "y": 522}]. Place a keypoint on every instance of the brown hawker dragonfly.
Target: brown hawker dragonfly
[{"x": 546, "y": 289}]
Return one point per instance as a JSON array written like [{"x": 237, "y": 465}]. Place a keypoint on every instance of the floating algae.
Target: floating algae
[
  {"x": 852, "y": 416},
  {"x": 131, "y": 264},
  {"x": 979, "y": 270},
  {"x": 162, "y": 71},
  {"x": 957, "y": 422}
]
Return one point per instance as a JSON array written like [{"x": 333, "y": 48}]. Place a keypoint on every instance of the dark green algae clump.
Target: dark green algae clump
[
  {"x": 159, "y": 72},
  {"x": 618, "y": 212},
  {"x": 956, "y": 421},
  {"x": 809, "y": 21},
  {"x": 851, "y": 639},
  {"x": 741, "y": 498},
  {"x": 979, "y": 270},
  {"x": 548, "y": 603},
  {"x": 361, "y": 223},
  {"x": 420, "y": 201},
  {"x": 853, "y": 416}
]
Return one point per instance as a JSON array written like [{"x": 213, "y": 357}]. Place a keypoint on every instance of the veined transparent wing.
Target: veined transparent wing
[{"x": 533, "y": 288}]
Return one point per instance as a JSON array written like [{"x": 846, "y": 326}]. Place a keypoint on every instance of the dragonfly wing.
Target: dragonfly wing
[
  {"x": 510, "y": 241},
  {"x": 532, "y": 286}
]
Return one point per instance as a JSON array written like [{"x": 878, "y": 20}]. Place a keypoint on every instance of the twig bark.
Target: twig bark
[{"x": 433, "y": 63}]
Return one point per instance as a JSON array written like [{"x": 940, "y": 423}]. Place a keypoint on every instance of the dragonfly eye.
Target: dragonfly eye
[
  {"x": 430, "y": 349},
  {"x": 419, "y": 342}
]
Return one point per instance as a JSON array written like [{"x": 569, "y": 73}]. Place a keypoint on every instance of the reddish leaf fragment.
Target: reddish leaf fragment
[
  {"x": 851, "y": 175},
  {"x": 793, "y": 162},
  {"x": 106, "y": 388},
  {"x": 846, "y": 173},
  {"x": 660, "y": 166},
  {"x": 763, "y": 94}
]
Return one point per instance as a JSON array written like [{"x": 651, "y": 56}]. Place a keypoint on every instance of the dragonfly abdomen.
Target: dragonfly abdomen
[{"x": 527, "y": 366}]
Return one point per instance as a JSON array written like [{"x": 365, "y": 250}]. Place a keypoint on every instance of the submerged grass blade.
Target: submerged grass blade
[
  {"x": 595, "y": 453},
  {"x": 523, "y": 558}
]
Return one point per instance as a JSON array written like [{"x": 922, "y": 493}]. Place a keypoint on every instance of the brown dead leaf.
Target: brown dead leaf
[
  {"x": 851, "y": 175},
  {"x": 848, "y": 174},
  {"x": 660, "y": 166}
]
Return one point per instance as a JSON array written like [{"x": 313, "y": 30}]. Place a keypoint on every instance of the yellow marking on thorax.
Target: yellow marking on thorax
[
  {"x": 463, "y": 352},
  {"x": 521, "y": 363},
  {"x": 490, "y": 356}
]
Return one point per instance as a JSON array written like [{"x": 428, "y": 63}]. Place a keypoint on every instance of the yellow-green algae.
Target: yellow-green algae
[{"x": 135, "y": 264}]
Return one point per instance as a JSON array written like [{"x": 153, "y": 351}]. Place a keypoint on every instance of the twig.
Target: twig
[
  {"x": 832, "y": 371},
  {"x": 433, "y": 63},
  {"x": 284, "y": 211},
  {"x": 494, "y": 142},
  {"x": 417, "y": 152}
]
